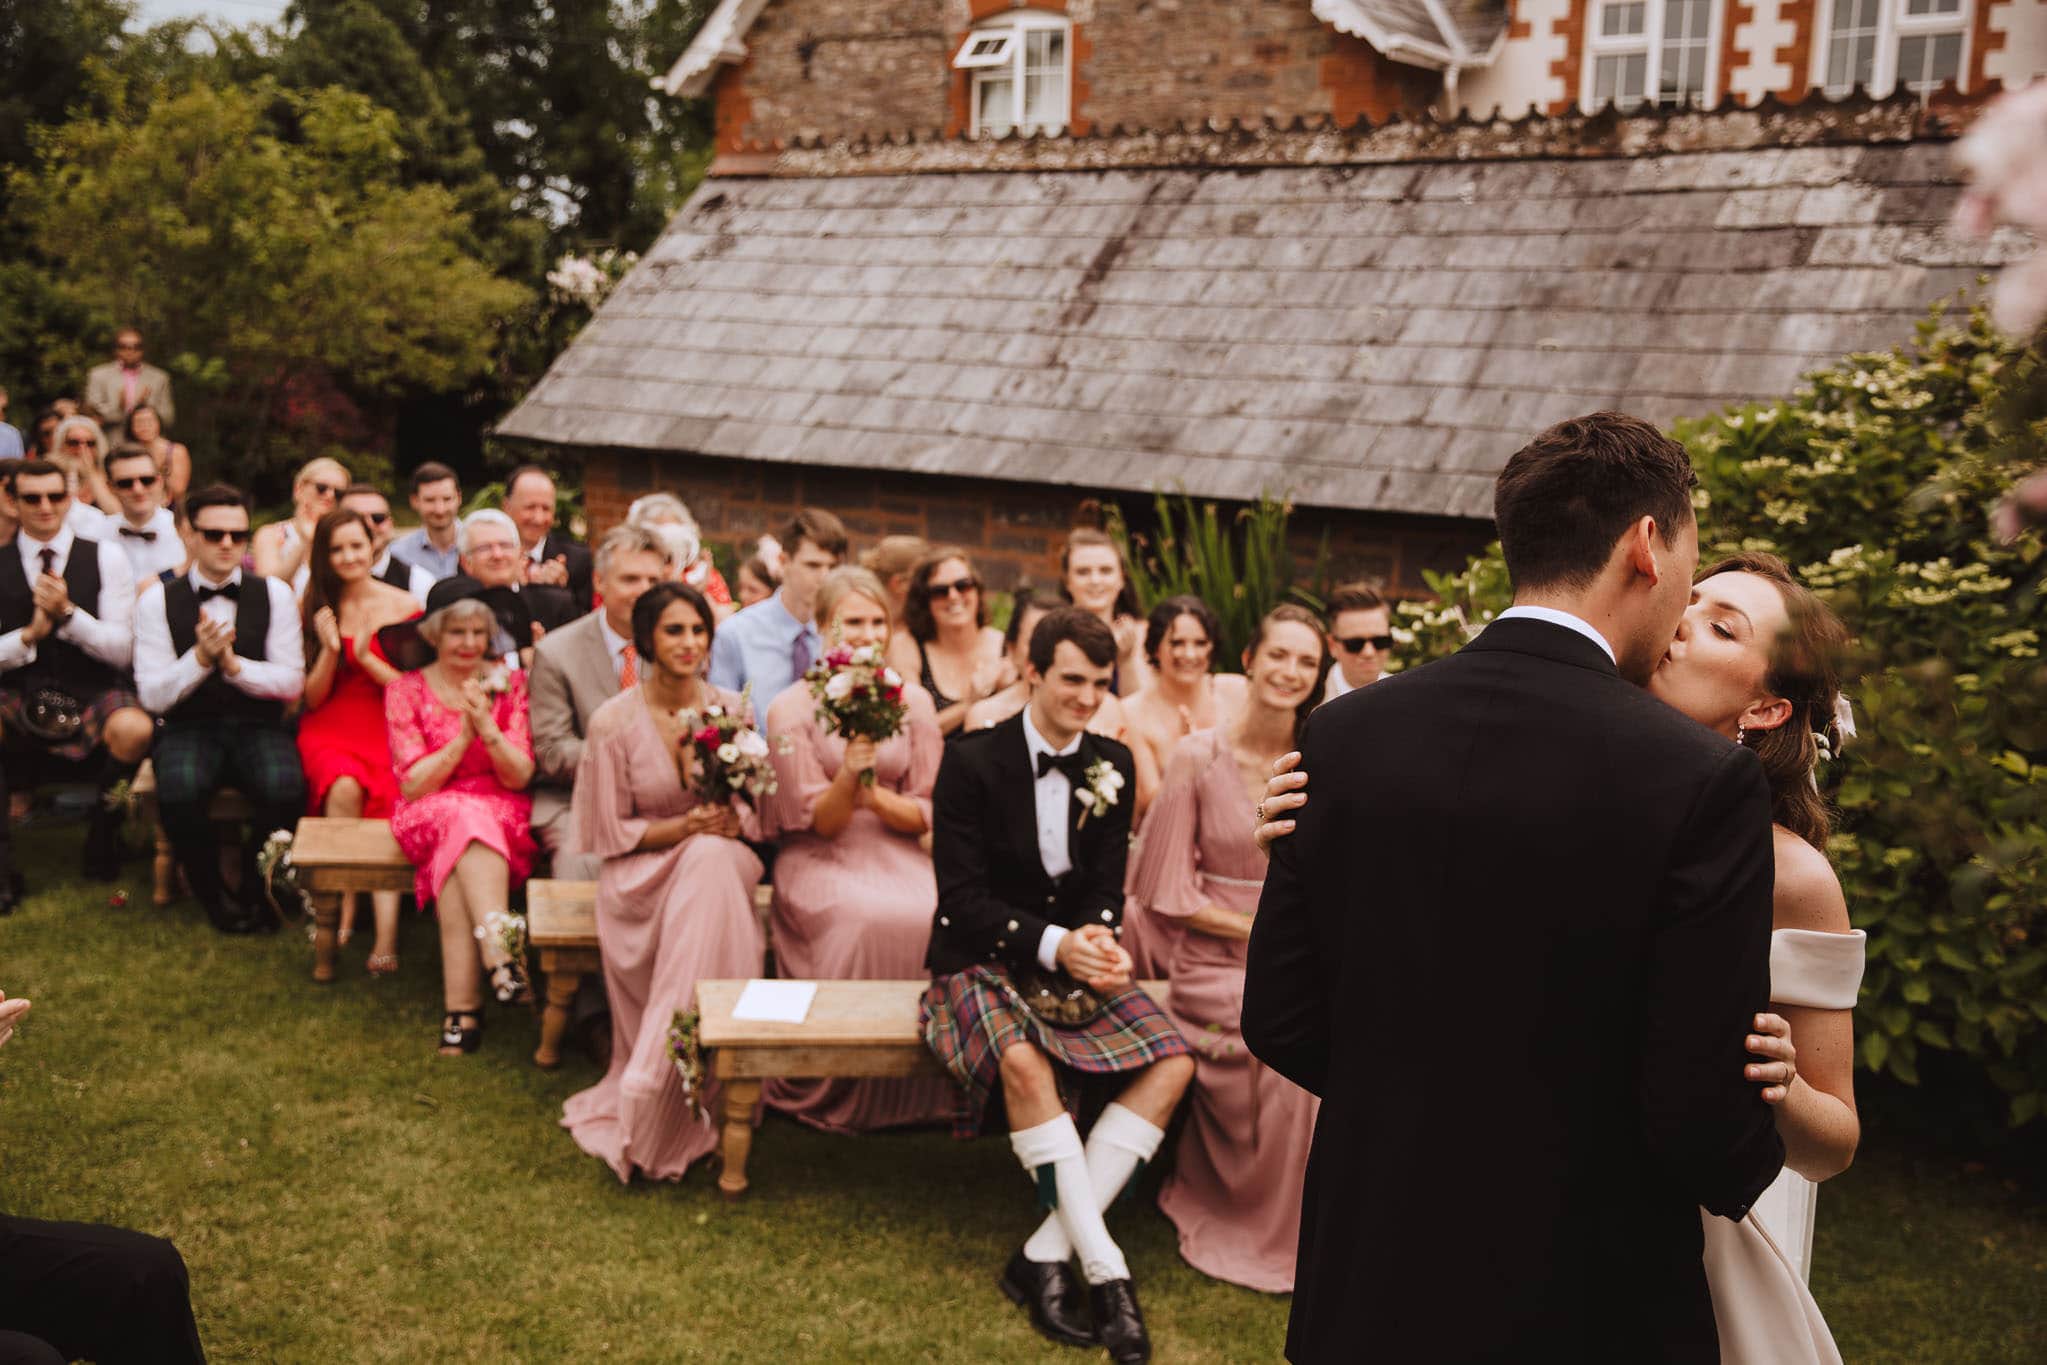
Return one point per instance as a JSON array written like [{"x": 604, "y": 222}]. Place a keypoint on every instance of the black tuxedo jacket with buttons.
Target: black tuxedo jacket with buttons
[
  {"x": 1515, "y": 945},
  {"x": 994, "y": 898},
  {"x": 578, "y": 561}
]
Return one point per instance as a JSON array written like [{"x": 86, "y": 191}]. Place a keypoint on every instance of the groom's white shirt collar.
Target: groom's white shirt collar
[{"x": 1560, "y": 618}]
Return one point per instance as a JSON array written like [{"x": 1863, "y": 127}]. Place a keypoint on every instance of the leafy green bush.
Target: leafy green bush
[
  {"x": 1243, "y": 567},
  {"x": 1875, "y": 481}
]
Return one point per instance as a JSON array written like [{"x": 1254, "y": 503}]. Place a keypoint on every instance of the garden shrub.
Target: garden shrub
[{"x": 1241, "y": 566}]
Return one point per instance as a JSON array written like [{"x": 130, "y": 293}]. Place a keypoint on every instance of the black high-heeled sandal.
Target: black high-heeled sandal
[{"x": 457, "y": 1040}]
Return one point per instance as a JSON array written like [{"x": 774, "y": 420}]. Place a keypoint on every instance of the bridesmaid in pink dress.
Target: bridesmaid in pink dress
[
  {"x": 464, "y": 756},
  {"x": 1235, "y": 1190},
  {"x": 853, "y": 886},
  {"x": 674, "y": 898}
]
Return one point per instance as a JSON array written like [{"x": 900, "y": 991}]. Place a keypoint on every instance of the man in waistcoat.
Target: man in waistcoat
[
  {"x": 66, "y": 698},
  {"x": 219, "y": 655},
  {"x": 369, "y": 500}
]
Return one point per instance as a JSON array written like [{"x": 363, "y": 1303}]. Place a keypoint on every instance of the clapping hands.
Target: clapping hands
[
  {"x": 216, "y": 642},
  {"x": 477, "y": 708},
  {"x": 327, "y": 627},
  {"x": 554, "y": 572}
]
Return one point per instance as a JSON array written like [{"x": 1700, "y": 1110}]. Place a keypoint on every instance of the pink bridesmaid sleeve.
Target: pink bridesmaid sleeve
[
  {"x": 1165, "y": 874},
  {"x": 606, "y": 821},
  {"x": 800, "y": 776}
]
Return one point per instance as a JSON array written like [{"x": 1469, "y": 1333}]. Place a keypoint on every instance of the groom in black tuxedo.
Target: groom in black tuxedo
[{"x": 1516, "y": 945}]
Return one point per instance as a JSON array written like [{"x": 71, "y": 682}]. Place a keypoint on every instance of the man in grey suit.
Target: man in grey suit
[
  {"x": 576, "y": 669},
  {"x": 123, "y": 384}
]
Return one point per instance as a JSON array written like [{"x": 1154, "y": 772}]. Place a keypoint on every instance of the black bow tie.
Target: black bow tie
[
  {"x": 231, "y": 591},
  {"x": 1073, "y": 765},
  {"x": 149, "y": 536}
]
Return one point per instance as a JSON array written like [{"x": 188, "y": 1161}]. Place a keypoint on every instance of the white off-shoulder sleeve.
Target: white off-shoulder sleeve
[{"x": 1816, "y": 970}]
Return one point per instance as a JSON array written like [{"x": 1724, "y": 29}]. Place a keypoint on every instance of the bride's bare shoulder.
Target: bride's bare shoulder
[{"x": 1807, "y": 893}]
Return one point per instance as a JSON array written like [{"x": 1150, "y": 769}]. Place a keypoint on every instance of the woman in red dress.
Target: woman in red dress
[{"x": 343, "y": 741}]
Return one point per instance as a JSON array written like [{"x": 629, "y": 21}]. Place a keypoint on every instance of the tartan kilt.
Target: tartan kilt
[
  {"x": 80, "y": 746},
  {"x": 971, "y": 1018}
]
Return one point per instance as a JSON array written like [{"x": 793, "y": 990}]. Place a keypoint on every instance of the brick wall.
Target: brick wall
[{"x": 1014, "y": 529}]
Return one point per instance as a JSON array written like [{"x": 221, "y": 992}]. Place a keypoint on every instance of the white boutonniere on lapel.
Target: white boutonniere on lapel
[
  {"x": 496, "y": 680},
  {"x": 1104, "y": 785}
]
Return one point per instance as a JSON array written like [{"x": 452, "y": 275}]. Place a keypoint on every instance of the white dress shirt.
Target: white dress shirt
[
  {"x": 419, "y": 582},
  {"x": 1055, "y": 826},
  {"x": 1560, "y": 618},
  {"x": 108, "y": 635},
  {"x": 615, "y": 644},
  {"x": 156, "y": 549},
  {"x": 163, "y": 678}
]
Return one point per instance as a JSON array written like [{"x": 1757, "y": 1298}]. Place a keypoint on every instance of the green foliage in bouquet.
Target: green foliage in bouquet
[
  {"x": 1241, "y": 564},
  {"x": 1875, "y": 482}
]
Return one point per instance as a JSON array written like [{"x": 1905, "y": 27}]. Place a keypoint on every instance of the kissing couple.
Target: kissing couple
[{"x": 1542, "y": 940}]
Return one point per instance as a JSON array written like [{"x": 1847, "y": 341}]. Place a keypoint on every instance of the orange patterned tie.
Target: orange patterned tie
[{"x": 628, "y": 669}]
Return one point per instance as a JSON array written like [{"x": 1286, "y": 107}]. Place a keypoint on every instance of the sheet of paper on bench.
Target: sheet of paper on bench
[{"x": 775, "y": 1002}]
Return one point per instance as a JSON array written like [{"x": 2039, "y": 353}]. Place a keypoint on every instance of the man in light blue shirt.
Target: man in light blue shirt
[
  {"x": 437, "y": 545},
  {"x": 10, "y": 439},
  {"x": 770, "y": 644}
]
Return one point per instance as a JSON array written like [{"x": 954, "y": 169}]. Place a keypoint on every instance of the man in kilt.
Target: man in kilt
[{"x": 1031, "y": 989}]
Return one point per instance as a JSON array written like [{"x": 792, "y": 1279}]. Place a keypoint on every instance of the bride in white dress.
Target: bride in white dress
[{"x": 1754, "y": 659}]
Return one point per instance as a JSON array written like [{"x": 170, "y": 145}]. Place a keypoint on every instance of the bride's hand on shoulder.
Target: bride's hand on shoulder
[
  {"x": 1771, "y": 1041},
  {"x": 1286, "y": 790}
]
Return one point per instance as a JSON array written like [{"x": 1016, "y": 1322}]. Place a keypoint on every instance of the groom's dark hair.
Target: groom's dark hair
[{"x": 1569, "y": 494}]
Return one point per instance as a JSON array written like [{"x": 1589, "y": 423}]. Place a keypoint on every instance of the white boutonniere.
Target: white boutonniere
[
  {"x": 1104, "y": 785},
  {"x": 496, "y": 681}
]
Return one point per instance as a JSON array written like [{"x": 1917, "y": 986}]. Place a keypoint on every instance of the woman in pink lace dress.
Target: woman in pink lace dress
[
  {"x": 463, "y": 752},
  {"x": 674, "y": 898},
  {"x": 1235, "y": 1190},
  {"x": 853, "y": 884}
]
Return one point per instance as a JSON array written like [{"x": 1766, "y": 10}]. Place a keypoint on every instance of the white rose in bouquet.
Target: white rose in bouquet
[
  {"x": 839, "y": 686},
  {"x": 728, "y": 753},
  {"x": 750, "y": 743}
]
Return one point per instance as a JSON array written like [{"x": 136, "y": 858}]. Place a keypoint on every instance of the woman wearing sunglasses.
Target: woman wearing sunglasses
[
  {"x": 282, "y": 547},
  {"x": 144, "y": 427},
  {"x": 1360, "y": 638},
  {"x": 80, "y": 450},
  {"x": 949, "y": 647}
]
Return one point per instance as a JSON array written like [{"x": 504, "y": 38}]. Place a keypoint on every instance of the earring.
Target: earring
[{"x": 1740, "y": 734}]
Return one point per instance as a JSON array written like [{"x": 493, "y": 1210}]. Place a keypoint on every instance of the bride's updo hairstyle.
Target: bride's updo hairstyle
[
  {"x": 1299, "y": 615},
  {"x": 1805, "y": 671}
]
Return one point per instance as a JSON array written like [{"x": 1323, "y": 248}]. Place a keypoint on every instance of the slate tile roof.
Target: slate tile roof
[{"x": 1362, "y": 336}]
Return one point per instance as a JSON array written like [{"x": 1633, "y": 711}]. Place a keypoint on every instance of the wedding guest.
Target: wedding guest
[
  {"x": 343, "y": 743},
  {"x": 946, "y": 643},
  {"x": 173, "y": 461},
  {"x": 82, "y": 453},
  {"x": 763, "y": 649},
  {"x": 552, "y": 558},
  {"x": 1030, "y": 893},
  {"x": 576, "y": 670},
  {"x": 760, "y": 573},
  {"x": 281, "y": 547},
  {"x": 894, "y": 560},
  {"x": 463, "y": 756},
  {"x": 1029, "y": 607},
  {"x": 1360, "y": 638},
  {"x": 1093, "y": 577},
  {"x": 493, "y": 569},
  {"x": 218, "y": 657},
  {"x": 368, "y": 501},
  {"x": 435, "y": 545},
  {"x": 67, "y": 697},
  {"x": 674, "y": 898},
  {"x": 853, "y": 886},
  {"x": 117, "y": 388},
  {"x": 11, "y": 446},
  {"x": 1235, "y": 1188},
  {"x": 44, "y": 444},
  {"x": 1185, "y": 694},
  {"x": 145, "y": 529},
  {"x": 689, "y": 558}
]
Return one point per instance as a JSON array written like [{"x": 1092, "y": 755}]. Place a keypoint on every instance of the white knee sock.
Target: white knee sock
[
  {"x": 1056, "y": 1144},
  {"x": 1120, "y": 1142}
]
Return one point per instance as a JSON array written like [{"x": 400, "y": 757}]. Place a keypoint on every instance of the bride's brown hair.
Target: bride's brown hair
[{"x": 1805, "y": 671}]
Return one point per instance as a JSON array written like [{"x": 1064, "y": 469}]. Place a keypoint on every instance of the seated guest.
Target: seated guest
[
  {"x": 81, "y": 452},
  {"x": 343, "y": 744},
  {"x": 674, "y": 898},
  {"x": 436, "y": 545},
  {"x": 1030, "y": 892},
  {"x": 217, "y": 655},
  {"x": 894, "y": 560},
  {"x": 1093, "y": 576},
  {"x": 689, "y": 558},
  {"x": 1360, "y": 638},
  {"x": 145, "y": 428},
  {"x": 763, "y": 649},
  {"x": 11, "y": 447},
  {"x": 946, "y": 643},
  {"x": 1027, "y": 609},
  {"x": 145, "y": 529},
  {"x": 1184, "y": 694},
  {"x": 368, "y": 501},
  {"x": 67, "y": 699},
  {"x": 463, "y": 755},
  {"x": 853, "y": 886},
  {"x": 576, "y": 670},
  {"x": 552, "y": 558},
  {"x": 281, "y": 547},
  {"x": 493, "y": 570},
  {"x": 760, "y": 573},
  {"x": 1235, "y": 1189}
]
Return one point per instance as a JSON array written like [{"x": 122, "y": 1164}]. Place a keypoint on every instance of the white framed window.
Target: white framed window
[
  {"x": 1021, "y": 65},
  {"x": 1879, "y": 45},
  {"x": 1649, "y": 52}
]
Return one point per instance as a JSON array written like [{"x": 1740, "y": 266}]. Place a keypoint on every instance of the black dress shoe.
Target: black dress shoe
[
  {"x": 1048, "y": 1290},
  {"x": 229, "y": 918},
  {"x": 1119, "y": 1323}
]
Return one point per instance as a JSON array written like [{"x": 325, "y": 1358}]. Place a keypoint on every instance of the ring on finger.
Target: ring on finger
[{"x": 1261, "y": 812}]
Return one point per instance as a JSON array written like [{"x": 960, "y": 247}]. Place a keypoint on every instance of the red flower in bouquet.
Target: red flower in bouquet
[{"x": 858, "y": 696}]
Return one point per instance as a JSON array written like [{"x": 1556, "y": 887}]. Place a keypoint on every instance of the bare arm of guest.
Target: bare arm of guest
[
  {"x": 1217, "y": 922},
  {"x": 327, "y": 662}
]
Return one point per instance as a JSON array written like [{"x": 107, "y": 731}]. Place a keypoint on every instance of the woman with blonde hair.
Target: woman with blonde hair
[
  {"x": 80, "y": 449},
  {"x": 282, "y": 548},
  {"x": 894, "y": 560},
  {"x": 1094, "y": 577}
]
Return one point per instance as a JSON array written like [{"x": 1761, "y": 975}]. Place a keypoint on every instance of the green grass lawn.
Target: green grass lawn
[{"x": 341, "y": 1193}]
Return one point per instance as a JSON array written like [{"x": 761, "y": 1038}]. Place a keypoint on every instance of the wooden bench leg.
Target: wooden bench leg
[
  {"x": 554, "y": 1016},
  {"x": 326, "y": 920},
  {"x": 736, "y": 1144},
  {"x": 164, "y": 870}
]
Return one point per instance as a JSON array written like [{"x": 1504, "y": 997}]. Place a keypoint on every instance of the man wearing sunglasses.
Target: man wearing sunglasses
[
  {"x": 125, "y": 383},
  {"x": 1360, "y": 638},
  {"x": 66, "y": 699},
  {"x": 369, "y": 500},
  {"x": 145, "y": 529}
]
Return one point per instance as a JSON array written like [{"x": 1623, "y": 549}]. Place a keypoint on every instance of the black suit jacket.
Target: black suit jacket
[
  {"x": 516, "y": 608},
  {"x": 1515, "y": 944},
  {"x": 994, "y": 898},
  {"x": 579, "y": 562}
]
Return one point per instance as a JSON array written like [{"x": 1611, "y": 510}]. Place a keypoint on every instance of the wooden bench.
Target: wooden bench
[
  {"x": 854, "y": 1029},
  {"x": 228, "y": 808},
  {"x": 335, "y": 857}
]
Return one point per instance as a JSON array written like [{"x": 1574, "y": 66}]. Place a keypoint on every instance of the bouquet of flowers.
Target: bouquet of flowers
[
  {"x": 686, "y": 1051},
  {"x": 858, "y": 696},
  {"x": 281, "y": 879},
  {"x": 731, "y": 756},
  {"x": 509, "y": 933}
]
